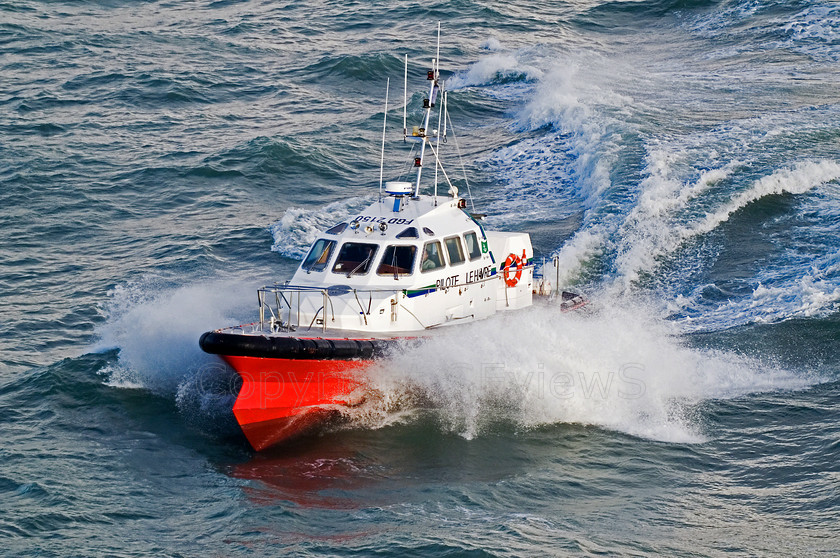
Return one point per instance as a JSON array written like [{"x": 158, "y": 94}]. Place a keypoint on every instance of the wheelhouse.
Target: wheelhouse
[{"x": 403, "y": 256}]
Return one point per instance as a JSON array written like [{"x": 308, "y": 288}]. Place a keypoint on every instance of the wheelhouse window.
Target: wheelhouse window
[
  {"x": 473, "y": 248},
  {"x": 432, "y": 257},
  {"x": 397, "y": 260},
  {"x": 354, "y": 258},
  {"x": 319, "y": 255},
  {"x": 454, "y": 250}
]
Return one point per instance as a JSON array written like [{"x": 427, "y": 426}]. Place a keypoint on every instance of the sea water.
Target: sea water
[{"x": 680, "y": 159}]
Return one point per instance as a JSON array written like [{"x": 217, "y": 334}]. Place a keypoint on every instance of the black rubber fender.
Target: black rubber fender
[{"x": 271, "y": 346}]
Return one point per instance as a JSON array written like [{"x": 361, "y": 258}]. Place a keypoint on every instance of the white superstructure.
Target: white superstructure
[
  {"x": 425, "y": 265},
  {"x": 408, "y": 262}
]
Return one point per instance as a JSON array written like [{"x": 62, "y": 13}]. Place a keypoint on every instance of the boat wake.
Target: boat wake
[
  {"x": 591, "y": 125},
  {"x": 613, "y": 366},
  {"x": 659, "y": 225}
]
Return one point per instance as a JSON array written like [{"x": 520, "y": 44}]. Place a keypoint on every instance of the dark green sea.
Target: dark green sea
[{"x": 160, "y": 161}]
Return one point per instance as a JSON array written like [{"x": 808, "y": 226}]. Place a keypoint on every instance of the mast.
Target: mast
[{"x": 428, "y": 104}]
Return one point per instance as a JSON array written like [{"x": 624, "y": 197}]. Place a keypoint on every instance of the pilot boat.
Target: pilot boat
[{"x": 408, "y": 264}]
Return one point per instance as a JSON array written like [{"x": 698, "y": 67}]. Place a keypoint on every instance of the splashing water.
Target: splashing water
[
  {"x": 156, "y": 330},
  {"x": 613, "y": 367}
]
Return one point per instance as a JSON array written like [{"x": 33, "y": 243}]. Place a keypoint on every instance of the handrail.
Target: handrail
[{"x": 288, "y": 306}]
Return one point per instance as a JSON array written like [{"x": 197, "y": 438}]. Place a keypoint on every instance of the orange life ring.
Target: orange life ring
[{"x": 512, "y": 260}]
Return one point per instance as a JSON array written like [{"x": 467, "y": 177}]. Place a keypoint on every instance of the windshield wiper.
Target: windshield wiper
[{"x": 363, "y": 262}]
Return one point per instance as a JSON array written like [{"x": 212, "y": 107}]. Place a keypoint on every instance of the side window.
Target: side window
[
  {"x": 319, "y": 255},
  {"x": 354, "y": 258},
  {"x": 397, "y": 260},
  {"x": 473, "y": 248},
  {"x": 432, "y": 257},
  {"x": 453, "y": 248}
]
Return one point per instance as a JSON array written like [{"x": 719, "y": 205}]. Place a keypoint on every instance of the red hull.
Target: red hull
[{"x": 284, "y": 398}]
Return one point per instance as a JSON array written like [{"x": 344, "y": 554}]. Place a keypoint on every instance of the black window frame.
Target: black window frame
[
  {"x": 357, "y": 268},
  {"x": 477, "y": 245},
  {"x": 320, "y": 254},
  {"x": 440, "y": 257},
  {"x": 392, "y": 272},
  {"x": 457, "y": 239}
]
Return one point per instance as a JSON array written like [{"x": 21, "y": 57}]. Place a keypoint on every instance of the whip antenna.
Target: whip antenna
[{"x": 384, "y": 122}]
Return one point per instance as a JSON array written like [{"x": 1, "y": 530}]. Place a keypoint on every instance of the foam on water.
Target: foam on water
[
  {"x": 814, "y": 31},
  {"x": 614, "y": 367},
  {"x": 498, "y": 67},
  {"x": 300, "y": 227},
  {"x": 530, "y": 188},
  {"x": 692, "y": 183},
  {"x": 492, "y": 43},
  {"x": 571, "y": 259},
  {"x": 657, "y": 224},
  {"x": 562, "y": 165},
  {"x": 156, "y": 328},
  {"x": 815, "y": 292},
  {"x": 564, "y": 168}
]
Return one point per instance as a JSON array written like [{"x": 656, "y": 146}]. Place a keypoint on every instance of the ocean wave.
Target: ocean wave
[
  {"x": 615, "y": 13},
  {"x": 656, "y": 228},
  {"x": 494, "y": 69},
  {"x": 802, "y": 282},
  {"x": 749, "y": 25},
  {"x": 355, "y": 67},
  {"x": 579, "y": 259},
  {"x": 283, "y": 156},
  {"x": 539, "y": 181},
  {"x": 561, "y": 166},
  {"x": 300, "y": 227},
  {"x": 561, "y": 170}
]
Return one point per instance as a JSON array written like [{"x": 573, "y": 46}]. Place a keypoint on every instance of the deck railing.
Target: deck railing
[{"x": 280, "y": 305}]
